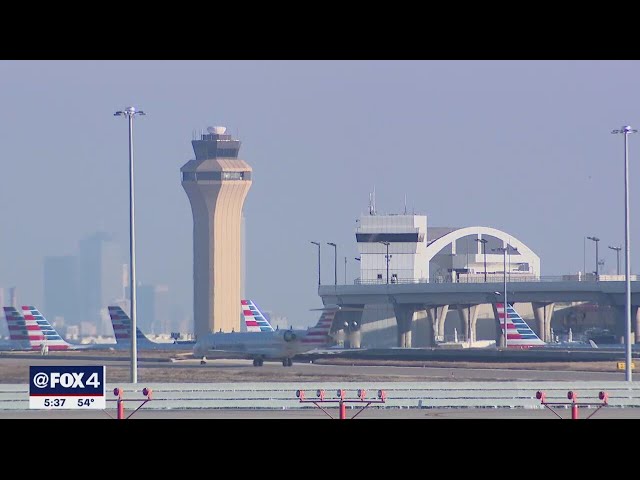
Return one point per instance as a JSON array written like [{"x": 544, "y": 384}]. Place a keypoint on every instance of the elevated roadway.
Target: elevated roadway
[{"x": 435, "y": 299}]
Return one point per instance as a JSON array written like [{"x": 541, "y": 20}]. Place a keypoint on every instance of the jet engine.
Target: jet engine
[{"x": 289, "y": 336}]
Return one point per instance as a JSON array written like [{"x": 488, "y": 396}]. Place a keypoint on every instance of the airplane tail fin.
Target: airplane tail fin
[
  {"x": 36, "y": 322},
  {"x": 17, "y": 327},
  {"x": 122, "y": 326},
  {"x": 318, "y": 335},
  {"x": 519, "y": 334},
  {"x": 254, "y": 318}
]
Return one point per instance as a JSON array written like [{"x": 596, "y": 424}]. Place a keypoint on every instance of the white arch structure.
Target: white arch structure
[{"x": 525, "y": 253}]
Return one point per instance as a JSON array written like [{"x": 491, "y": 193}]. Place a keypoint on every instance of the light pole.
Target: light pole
[
  {"x": 131, "y": 112},
  {"x": 617, "y": 249},
  {"x": 345, "y": 270},
  {"x": 387, "y": 257},
  {"x": 584, "y": 255},
  {"x": 627, "y": 250},
  {"x": 596, "y": 240},
  {"x": 335, "y": 262},
  {"x": 318, "y": 244},
  {"x": 484, "y": 241},
  {"x": 515, "y": 249},
  {"x": 504, "y": 268}
]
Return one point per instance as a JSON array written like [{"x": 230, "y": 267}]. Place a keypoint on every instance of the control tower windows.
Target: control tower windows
[
  {"x": 214, "y": 176},
  {"x": 232, "y": 175}
]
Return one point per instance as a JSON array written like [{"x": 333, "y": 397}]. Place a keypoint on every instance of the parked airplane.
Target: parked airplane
[
  {"x": 255, "y": 321},
  {"x": 31, "y": 331},
  {"x": 280, "y": 345},
  {"x": 53, "y": 339},
  {"x": 522, "y": 336}
]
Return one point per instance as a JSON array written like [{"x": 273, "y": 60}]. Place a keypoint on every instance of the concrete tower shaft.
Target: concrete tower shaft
[{"x": 217, "y": 183}]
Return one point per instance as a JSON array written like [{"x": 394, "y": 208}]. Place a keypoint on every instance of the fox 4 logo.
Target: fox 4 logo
[
  {"x": 66, "y": 380},
  {"x": 73, "y": 380}
]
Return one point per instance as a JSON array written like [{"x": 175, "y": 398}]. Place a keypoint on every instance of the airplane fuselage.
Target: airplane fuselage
[{"x": 278, "y": 344}]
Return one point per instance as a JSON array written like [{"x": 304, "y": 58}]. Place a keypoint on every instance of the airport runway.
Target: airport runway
[
  {"x": 154, "y": 367},
  {"x": 15, "y": 369}
]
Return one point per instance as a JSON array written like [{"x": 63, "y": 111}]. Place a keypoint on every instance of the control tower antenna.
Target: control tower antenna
[{"x": 374, "y": 200}]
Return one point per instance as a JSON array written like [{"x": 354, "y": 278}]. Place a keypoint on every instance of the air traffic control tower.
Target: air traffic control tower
[{"x": 216, "y": 183}]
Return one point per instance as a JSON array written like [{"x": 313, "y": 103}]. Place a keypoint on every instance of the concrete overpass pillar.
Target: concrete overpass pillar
[
  {"x": 548, "y": 315},
  {"x": 468, "y": 317},
  {"x": 543, "y": 312},
  {"x": 538, "y": 314},
  {"x": 620, "y": 322},
  {"x": 473, "y": 320},
  {"x": 437, "y": 315},
  {"x": 423, "y": 329},
  {"x": 464, "y": 321},
  {"x": 404, "y": 318},
  {"x": 433, "y": 318},
  {"x": 442, "y": 316}
]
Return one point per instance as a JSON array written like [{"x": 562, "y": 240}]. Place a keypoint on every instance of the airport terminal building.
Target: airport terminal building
[{"x": 403, "y": 249}]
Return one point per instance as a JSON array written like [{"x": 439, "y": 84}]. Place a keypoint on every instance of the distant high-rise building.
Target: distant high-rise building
[
  {"x": 162, "y": 309},
  {"x": 13, "y": 297},
  {"x": 217, "y": 183},
  {"x": 146, "y": 308},
  {"x": 61, "y": 296},
  {"x": 7, "y": 299},
  {"x": 100, "y": 277},
  {"x": 153, "y": 309}
]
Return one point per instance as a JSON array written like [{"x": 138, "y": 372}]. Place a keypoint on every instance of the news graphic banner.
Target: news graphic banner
[{"x": 68, "y": 387}]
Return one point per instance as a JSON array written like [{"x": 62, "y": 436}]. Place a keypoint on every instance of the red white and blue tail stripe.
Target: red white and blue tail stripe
[
  {"x": 318, "y": 335},
  {"x": 41, "y": 331},
  {"x": 253, "y": 317},
  {"x": 122, "y": 326},
  {"x": 18, "y": 332},
  {"x": 519, "y": 334}
]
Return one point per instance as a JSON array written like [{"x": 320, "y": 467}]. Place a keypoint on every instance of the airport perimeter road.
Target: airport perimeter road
[
  {"x": 15, "y": 369},
  {"x": 370, "y": 413}
]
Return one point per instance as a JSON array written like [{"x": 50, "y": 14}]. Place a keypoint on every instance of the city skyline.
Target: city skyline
[
  {"x": 78, "y": 288},
  {"x": 523, "y": 146}
]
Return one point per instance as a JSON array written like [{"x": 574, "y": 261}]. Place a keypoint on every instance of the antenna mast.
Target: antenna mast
[{"x": 374, "y": 200}]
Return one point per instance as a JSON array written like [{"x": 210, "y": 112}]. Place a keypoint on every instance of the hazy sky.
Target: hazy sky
[{"x": 522, "y": 146}]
